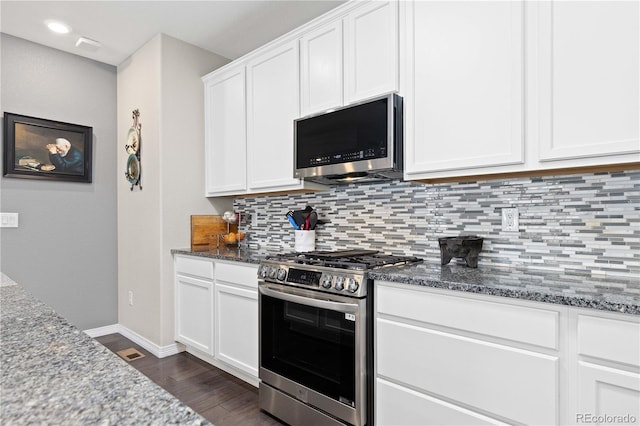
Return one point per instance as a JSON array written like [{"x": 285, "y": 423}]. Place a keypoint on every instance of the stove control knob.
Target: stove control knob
[
  {"x": 326, "y": 281},
  {"x": 264, "y": 271},
  {"x": 352, "y": 285},
  {"x": 272, "y": 272},
  {"x": 282, "y": 274},
  {"x": 339, "y": 283}
]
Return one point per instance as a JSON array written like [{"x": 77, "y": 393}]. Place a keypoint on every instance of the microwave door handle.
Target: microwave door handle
[{"x": 348, "y": 308}]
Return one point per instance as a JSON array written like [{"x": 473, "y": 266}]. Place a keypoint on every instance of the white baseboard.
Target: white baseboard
[
  {"x": 158, "y": 351},
  {"x": 103, "y": 331}
]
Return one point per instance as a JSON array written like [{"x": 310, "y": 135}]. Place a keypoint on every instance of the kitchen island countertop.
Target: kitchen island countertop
[
  {"x": 581, "y": 290},
  {"x": 53, "y": 373}
]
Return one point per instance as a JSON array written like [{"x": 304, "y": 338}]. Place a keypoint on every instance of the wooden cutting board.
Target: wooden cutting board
[{"x": 205, "y": 230}]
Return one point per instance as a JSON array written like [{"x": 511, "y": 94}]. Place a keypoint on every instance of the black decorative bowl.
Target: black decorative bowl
[{"x": 465, "y": 246}]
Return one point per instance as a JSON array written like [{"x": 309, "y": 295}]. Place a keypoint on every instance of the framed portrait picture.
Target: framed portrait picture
[{"x": 35, "y": 148}]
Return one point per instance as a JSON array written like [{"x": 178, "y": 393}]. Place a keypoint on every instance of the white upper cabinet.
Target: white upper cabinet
[
  {"x": 249, "y": 113},
  {"x": 513, "y": 86},
  {"x": 350, "y": 59},
  {"x": 370, "y": 51},
  {"x": 464, "y": 85},
  {"x": 272, "y": 105},
  {"x": 225, "y": 132},
  {"x": 321, "y": 68},
  {"x": 587, "y": 68}
]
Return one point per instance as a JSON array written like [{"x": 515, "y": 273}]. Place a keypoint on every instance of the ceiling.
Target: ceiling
[{"x": 226, "y": 27}]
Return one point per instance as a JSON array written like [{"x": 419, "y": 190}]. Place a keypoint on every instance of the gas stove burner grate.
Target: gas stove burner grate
[{"x": 346, "y": 259}]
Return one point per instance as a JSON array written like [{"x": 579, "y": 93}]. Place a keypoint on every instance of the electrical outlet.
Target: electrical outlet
[
  {"x": 510, "y": 221},
  {"x": 9, "y": 220},
  {"x": 130, "y": 298}
]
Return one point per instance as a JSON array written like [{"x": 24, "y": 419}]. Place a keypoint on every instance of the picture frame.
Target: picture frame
[{"x": 36, "y": 148}]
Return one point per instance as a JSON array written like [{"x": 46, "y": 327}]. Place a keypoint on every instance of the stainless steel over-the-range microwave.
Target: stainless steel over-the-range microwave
[{"x": 359, "y": 142}]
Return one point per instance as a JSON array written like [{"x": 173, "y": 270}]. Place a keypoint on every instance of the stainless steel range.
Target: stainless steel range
[{"x": 316, "y": 328}]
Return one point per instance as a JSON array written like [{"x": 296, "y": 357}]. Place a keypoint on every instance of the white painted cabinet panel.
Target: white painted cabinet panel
[
  {"x": 517, "y": 324},
  {"x": 405, "y": 407},
  {"x": 588, "y": 87},
  {"x": 321, "y": 68},
  {"x": 216, "y": 310},
  {"x": 237, "y": 327},
  {"x": 272, "y": 105},
  {"x": 514, "y": 384},
  {"x": 239, "y": 273},
  {"x": 607, "y": 391},
  {"x": 194, "y": 313},
  {"x": 608, "y": 362},
  {"x": 609, "y": 339},
  {"x": 371, "y": 50},
  {"x": 464, "y": 85},
  {"x": 199, "y": 268},
  {"x": 225, "y": 132}
]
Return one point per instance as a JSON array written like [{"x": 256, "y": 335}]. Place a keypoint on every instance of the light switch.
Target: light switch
[{"x": 8, "y": 220}]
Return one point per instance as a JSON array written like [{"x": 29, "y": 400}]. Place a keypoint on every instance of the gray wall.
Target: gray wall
[{"x": 65, "y": 250}]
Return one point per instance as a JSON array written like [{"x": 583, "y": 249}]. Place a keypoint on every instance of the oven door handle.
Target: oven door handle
[{"x": 348, "y": 308}]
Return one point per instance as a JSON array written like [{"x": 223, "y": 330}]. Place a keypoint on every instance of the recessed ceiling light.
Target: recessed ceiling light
[{"x": 58, "y": 27}]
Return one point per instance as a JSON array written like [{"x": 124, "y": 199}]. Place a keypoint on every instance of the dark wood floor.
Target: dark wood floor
[{"x": 216, "y": 395}]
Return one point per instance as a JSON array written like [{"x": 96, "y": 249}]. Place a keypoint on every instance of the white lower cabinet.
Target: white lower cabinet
[
  {"x": 194, "y": 306},
  {"x": 216, "y": 310},
  {"x": 462, "y": 361},
  {"x": 194, "y": 303},
  {"x": 608, "y": 370},
  {"x": 236, "y": 312},
  {"x": 452, "y": 358},
  {"x": 403, "y": 406}
]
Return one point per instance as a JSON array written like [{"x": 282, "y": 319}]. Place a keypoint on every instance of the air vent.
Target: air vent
[
  {"x": 88, "y": 44},
  {"x": 130, "y": 354}
]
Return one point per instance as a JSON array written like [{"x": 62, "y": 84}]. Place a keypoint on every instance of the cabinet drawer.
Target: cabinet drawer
[
  {"x": 196, "y": 267},
  {"x": 237, "y": 273},
  {"x": 610, "y": 339},
  {"x": 400, "y": 406},
  {"x": 516, "y": 323},
  {"x": 515, "y": 384}
]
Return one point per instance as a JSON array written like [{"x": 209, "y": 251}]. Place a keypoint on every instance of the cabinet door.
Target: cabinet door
[
  {"x": 225, "y": 133},
  {"x": 272, "y": 105},
  {"x": 464, "y": 72},
  {"x": 398, "y": 406},
  {"x": 194, "y": 313},
  {"x": 588, "y": 86},
  {"x": 607, "y": 391},
  {"x": 237, "y": 327},
  {"x": 510, "y": 383},
  {"x": 321, "y": 68},
  {"x": 371, "y": 50}
]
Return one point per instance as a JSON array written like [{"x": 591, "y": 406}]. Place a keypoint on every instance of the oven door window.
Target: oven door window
[{"x": 311, "y": 346}]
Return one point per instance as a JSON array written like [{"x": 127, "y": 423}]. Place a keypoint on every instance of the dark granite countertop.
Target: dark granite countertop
[
  {"x": 53, "y": 373},
  {"x": 606, "y": 293},
  {"x": 246, "y": 255}
]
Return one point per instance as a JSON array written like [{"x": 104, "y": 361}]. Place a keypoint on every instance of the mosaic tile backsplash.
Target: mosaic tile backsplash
[{"x": 578, "y": 224}]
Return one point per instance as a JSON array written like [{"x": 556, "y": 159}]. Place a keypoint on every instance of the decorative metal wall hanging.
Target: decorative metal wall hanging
[{"x": 134, "y": 137}]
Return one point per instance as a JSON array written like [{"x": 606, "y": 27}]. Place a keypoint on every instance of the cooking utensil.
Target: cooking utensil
[
  {"x": 313, "y": 219},
  {"x": 292, "y": 221},
  {"x": 299, "y": 218}
]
